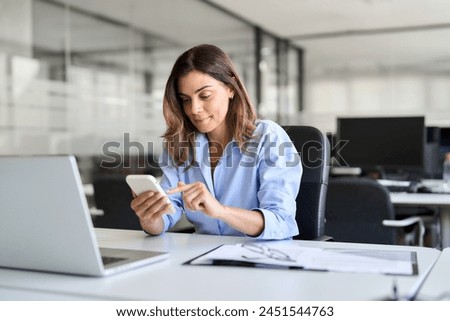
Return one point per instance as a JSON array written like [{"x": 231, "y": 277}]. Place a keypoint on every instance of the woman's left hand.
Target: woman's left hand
[{"x": 197, "y": 197}]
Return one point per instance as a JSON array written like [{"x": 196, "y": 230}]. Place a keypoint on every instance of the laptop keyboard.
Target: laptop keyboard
[{"x": 110, "y": 260}]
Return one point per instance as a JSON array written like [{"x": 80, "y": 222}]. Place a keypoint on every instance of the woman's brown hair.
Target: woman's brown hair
[{"x": 179, "y": 136}]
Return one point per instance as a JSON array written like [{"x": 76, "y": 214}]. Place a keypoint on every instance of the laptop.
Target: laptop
[{"x": 45, "y": 223}]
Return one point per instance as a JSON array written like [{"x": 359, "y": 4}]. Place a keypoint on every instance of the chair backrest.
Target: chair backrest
[
  {"x": 355, "y": 210},
  {"x": 113, "y": 195},
  {"x": 314, "y": 149}
]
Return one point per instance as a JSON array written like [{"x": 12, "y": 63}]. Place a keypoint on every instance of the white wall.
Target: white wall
[{"x": 409, "y": 94}]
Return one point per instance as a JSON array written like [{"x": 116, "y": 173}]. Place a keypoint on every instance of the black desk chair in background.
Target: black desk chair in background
[
  {"x": 113, "y": 195},
  {"x": 360, "y": 210},
  {"x": 314, "y": 149}
]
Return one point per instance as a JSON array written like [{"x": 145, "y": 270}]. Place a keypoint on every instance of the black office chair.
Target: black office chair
[
  {"x": 314, "y": 149},
  {"x": 113, "y": 195},
  {"x": 360, "y": 210}
]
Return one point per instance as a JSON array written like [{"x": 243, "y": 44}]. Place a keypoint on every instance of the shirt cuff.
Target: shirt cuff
[{"x": 276, "y": 228}]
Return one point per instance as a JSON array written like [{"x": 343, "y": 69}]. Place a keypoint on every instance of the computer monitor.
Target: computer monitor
[{"x": 387, "y": 144}]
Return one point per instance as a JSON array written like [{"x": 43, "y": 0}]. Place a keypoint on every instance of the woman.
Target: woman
[{"x": 229, "y": 172}]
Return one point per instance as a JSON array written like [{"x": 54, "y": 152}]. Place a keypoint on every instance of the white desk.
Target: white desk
[
  {"x": 437, "y": 284},
  {"x": 172, "y": 281},
  {"x": 441, "y": 201}
]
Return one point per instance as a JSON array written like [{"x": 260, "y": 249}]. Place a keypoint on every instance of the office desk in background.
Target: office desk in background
[
  {"x": 440, "y": 201},
  {"x": 172, "y": 281}
]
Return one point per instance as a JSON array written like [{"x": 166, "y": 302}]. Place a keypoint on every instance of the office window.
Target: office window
[
  {"x": 268, "y": 105},
  {"x": 78, "y": 74}
]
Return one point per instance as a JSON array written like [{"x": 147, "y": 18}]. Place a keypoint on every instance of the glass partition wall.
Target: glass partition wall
[{"x": 86, "y": 77}]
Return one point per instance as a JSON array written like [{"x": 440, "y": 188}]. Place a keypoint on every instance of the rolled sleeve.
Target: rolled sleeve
[{"x": 280, "y": 174}]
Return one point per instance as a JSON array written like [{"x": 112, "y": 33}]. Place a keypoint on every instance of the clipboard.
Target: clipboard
[{"x": 282, "y": 256}]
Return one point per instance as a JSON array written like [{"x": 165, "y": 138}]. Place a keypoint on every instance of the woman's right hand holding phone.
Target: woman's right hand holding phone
[{"x": 150, "y": 207}]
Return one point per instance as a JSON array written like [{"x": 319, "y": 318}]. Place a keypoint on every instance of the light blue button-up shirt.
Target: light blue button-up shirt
[{"x": 265, "y": 177}]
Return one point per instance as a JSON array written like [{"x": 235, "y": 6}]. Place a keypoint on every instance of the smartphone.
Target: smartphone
[{"x": 144, "y": 183}]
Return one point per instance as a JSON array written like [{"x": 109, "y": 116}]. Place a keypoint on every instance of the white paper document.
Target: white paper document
[{"x": 290, "y": 256}]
